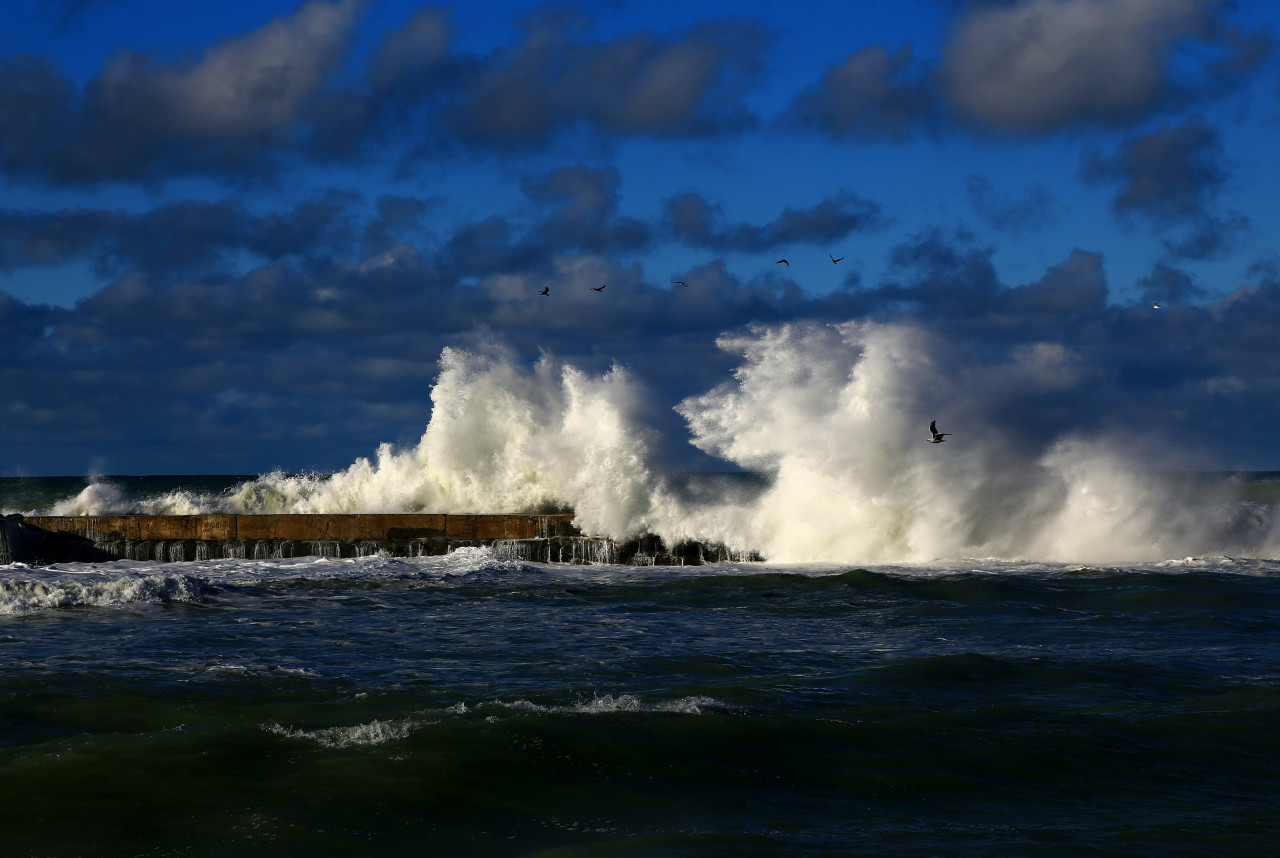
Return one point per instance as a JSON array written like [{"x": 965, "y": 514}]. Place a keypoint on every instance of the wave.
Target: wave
[
  {"x": 834, "y": 414},
  {"x": 378, "y": 732},
  {"x": 359, "y": 735},
  {"x": 19, "y": 596}
]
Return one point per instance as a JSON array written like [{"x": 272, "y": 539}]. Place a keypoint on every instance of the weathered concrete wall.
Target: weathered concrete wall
[
  {"x": 541, "y": 538},
  {"x": 136, "y": 528}
]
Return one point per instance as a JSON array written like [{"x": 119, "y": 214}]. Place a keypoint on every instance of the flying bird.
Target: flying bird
[
  {"x": 783, "y": 262},
  {"x": 936, "y": 437},
  {"x": 546, "y": 290},
  {"x": 682, "y": 283},
  {"x": 599, "y": 288},
  {"x": 1156, "y": 305},
  {"x": 833, "y": 259}
]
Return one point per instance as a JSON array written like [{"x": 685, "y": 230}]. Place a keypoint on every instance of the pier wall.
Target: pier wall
[{"x": 42, "y": 540}]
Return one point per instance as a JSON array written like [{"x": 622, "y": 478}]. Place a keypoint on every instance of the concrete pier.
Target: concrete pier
[{"x": 42, "y": 540}]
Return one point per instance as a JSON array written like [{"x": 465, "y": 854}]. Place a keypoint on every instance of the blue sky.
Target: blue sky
[{"x": 236, "y": 237}]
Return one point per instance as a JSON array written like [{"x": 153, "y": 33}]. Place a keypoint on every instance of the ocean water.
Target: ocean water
[
  {"x": 1050, "y": 643},
  {"x": 467, "y": 705}
]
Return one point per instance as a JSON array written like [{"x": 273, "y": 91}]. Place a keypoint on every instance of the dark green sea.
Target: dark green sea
[{"x": 474, "y": 706}]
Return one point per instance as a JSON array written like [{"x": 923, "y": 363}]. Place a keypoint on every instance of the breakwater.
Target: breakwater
[{"x": 42, "y": 540}]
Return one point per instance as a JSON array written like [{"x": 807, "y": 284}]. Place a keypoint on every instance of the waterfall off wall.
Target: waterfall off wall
[{"x": 41, "y": 540}]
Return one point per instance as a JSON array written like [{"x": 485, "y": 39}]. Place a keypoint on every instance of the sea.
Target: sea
[
  {"x": 470, "y": 705},
  {"x": 1057, "y": 639}
]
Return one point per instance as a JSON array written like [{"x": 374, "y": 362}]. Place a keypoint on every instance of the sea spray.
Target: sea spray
[
  {"x": 838, "y": 414},
  {"x": 834, "y": 414},
  {"x": 501, "y": 438}
]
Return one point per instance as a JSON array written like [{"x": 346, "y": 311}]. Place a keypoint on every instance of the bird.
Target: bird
[
  {"x": 1156, "y": 305},
  {"x": 936, "y": 437},
  {"x": 783, "y": 262},
  {"x": 599, "y": 288},
  {"x": 682, "y": 283},
  {"x": 546, "y": 290},
  {"x": 834, "y": 260}
]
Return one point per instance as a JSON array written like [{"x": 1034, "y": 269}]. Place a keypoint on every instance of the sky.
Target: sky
[{"x": 237, "y": 237}]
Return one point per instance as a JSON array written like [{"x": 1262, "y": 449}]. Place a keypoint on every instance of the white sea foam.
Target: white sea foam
[
  {"x": 29, "y": 591},
  {"x": 374, "y": 733},
  {"x": 605, "y": 704},
  {"x": 836, "y": 414}
]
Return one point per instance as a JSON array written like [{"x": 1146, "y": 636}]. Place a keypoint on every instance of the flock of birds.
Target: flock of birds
[
  {"x": 935, "y": 437},
  {"x": 835, "y": 260}
]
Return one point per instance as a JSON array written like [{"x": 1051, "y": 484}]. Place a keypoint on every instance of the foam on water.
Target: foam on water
[
  {"x": 835, "y": 414},
  {"x": 374, "y": 733},
  {"x": 42, "y": 590},
  {"x": 605, "y": 704},
  {"x": 379, "y": 732}
]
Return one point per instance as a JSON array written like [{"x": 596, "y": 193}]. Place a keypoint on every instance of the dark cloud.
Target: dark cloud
[
  {"x": 185, "y": 236},
  {"x": 139, "y": 118},
  {"x": 1209, "y": 237},
  {"x": 252, "y": 104},
  {"x": 1171, "y": 177},
  {"x": 693, "y": 220},
  {"x": 1170, "y": 286},
  {"x": 310, "y": 365},
  {"x": 1019, "y": 216},
  {"x": 398, "y": 217},
  {"x": 688, "y": 83},
  {"x": 220, "y": 372},
  {"x": 1168, "y": 176},
  {"x": 946, "y": 280},
  {"x": 873, "y": 95},
  {"x": 586, "y": 211},
  {"x": 1044, "y": 65},
  {"x": 411, "y": 55}
]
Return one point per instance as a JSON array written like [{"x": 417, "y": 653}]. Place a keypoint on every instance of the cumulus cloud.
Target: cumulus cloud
[
  {"x": 243, "y": 89},
  {"x": 692, "y": 219},
  {"x": 1169, "y": 286},
  {"x": 411, "y": 53},
  {"x": 344, "y": 351},
  {"x": 1039, "y": 66},
  {"x": 585, "y": 216},
  {"x": 182, "y": 236},
  {"x": 328, "y": 358},
  {"x": 250, "y": 103},
  {"x": 1168, "y": 175},
  {"x": 137, "y": 117},
  {"x": 873, "y": 95},
  {"x": 554, "y": 79},
  {"x": 1171, "y": 177}
]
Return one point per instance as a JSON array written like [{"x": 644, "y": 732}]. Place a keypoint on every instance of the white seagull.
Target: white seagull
[{"x": 936, "y": 437}]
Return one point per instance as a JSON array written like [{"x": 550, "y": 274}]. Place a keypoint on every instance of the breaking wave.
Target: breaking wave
[
  {"x": 834, "y": 415},
  {"x": 19, "y": 596}
]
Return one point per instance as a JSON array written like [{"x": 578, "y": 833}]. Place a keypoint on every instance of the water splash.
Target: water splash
[{"x": 836, "y": 414}]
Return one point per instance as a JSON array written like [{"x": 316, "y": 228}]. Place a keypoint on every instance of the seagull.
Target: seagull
[
  {"x": 833, "y": 259},
  {"x": 598, "y": 288},
  {"x": 783, "y": 262},
  {"x": 936, "y": 437},
  {"x": 682, "y": 283},
  {"x": 546, "y": 290},
  {"x": 1156, "y": 305}
]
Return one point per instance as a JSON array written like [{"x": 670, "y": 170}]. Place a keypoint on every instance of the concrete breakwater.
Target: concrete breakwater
[{"x": 41, "y": 540}]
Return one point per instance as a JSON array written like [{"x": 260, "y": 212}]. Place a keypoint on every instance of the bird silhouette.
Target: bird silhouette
[
  {"x": 936, "y": 437},
  {"x": 834, "y": 260},
  {"x": 1156, "y": 305},
  {"x": 599, "y": 288},
  {"x": 546, "y": 290},
  {"x": 682, "y": 283},
  {"x": 783, "y": 262}
]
